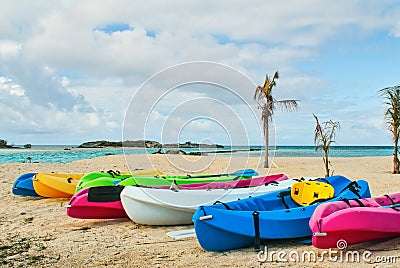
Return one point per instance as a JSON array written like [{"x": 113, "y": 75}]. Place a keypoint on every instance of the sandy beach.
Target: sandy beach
[{"x": 37, "y": 232}]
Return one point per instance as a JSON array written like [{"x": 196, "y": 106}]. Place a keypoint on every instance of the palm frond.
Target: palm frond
[{"x": 288, "y": 105}]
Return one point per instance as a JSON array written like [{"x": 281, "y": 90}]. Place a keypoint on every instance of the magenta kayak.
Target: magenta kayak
[
  {"x": 347, "y": 222},
  {"x": 101, "y": 202},
  {"x": 258, "y": 181}
]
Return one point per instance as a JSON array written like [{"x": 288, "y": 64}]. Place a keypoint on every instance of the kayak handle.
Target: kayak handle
[
  {"x": 205, "y": 217},
  {"x": 319, "y": 234}
]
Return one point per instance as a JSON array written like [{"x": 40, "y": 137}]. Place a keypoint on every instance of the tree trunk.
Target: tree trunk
[
  {"x": 395, "y": 155},
  {"x": 266, "y": 163},
  {"x": 326, "y": 162}
]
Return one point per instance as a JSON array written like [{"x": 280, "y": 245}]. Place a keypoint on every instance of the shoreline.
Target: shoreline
[{"x": 37, "y": 232}]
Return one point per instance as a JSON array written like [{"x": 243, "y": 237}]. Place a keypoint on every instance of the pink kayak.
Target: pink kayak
[
  {"x": 346, "y": 222},
  {"x": 258, "y": 181},
  {"x": 101, "y": 202}
]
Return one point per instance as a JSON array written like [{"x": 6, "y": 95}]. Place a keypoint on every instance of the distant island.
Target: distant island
[
  {"x": 145, "y": 144},
  {"x": 4, "y": 145}
]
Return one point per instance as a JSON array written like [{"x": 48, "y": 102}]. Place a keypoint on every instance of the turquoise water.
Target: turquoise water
[{"x": 57, "y": 154}]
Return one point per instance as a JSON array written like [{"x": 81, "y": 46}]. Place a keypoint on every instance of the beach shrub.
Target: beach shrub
[{"x": 323, "y": 137}]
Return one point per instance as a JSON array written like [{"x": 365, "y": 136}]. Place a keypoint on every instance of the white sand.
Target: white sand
[{"x": 37, "y": 232}]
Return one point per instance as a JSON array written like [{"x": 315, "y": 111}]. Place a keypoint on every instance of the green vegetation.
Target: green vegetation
[{"x": 392, "y": 116}]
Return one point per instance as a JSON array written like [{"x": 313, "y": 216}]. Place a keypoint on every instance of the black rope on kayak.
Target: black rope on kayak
[
  {"x": 204, "y": 211},
  {"x": 353, "y": 188},
  {"x": 324, "y": 180},
  {"x": 282, "y": 196},
  {"x": 256, "y": 231},
  {"x": 114, "y": 173},
  {"x": 319, "y": 201},
  {"x": 346, "y": 201},
  {"x": 224, "y": 204},
  {"x": 359, "y": 202},
  {"x": 391, "y": 199},
  {"x": 393, "y": 203}
]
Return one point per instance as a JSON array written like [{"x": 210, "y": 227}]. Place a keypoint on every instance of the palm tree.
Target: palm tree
[
  {"x": 392, "y": 116},
  {"x": 264, "y": 93},
  {"x": 323, "y": 137}
]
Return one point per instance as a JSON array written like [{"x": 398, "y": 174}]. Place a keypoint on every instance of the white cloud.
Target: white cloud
[{"x": 66, "y": 70}]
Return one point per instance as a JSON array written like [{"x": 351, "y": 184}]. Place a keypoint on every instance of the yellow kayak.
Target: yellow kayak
[
  {"x": 56, "y": 185},
  {"x": 64, "y": 185}
]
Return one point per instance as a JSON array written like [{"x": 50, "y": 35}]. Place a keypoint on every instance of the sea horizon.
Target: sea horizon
[{"x": 70, "y": 153}]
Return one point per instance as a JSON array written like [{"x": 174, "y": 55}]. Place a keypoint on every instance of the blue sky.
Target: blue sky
[{"x": 69, "y": 70}]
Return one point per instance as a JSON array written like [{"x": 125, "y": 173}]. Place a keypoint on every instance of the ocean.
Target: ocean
[{"x": 59, "y": 154}]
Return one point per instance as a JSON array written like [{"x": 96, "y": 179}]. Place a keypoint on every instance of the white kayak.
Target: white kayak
[{"x": 153, "y": 206}]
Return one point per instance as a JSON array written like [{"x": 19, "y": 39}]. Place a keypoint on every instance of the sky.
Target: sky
[{"x": 76, "y": 71}]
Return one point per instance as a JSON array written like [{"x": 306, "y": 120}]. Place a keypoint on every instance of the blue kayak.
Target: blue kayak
[
  {"x": 243, "y": 223},
  {"x": 23, "y": 185}
]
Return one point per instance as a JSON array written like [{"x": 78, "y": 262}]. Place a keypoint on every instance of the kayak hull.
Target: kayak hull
[
  {"x": 81, "y": 207},
  {"x": 356, "y": 221},
  {"x": 55, "y": 185},
  {"x": 233, "y": 225},
  {"x": 167, "y": 207},
  {"x": 23, "y": 185}
]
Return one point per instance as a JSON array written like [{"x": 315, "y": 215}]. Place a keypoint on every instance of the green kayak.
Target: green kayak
[
  {"x": 149, "y": 181},
  {"x": 111, "y": 176}
]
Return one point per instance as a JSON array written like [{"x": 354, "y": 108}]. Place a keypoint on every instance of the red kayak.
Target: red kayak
[
  {"x": 104, "y": 202},
  {"x": 101, "y": 202},
  {"x": 341, "y": 223}
]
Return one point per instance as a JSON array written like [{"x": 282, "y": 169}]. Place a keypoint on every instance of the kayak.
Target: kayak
[
  {"x": 23, "y": 185},
  {"x": 355, "y": 221},
  {"x": 110, "y": 178},
  {"x": 100, "y": 202},
  {"x": 152, "y": 181},
  {"x": 165, "y": 207},
  {"x": 55, "y": 185},
  {"x": 276, "y": 215},
  {"x": 64, "y": 185},
  {"x": 258, "y": 181},
  {"x": 104, "y": 202}
]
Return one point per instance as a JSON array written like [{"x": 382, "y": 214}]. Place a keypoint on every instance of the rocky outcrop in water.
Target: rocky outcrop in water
[
  {"x": 100, "y": 144},
  {"x": 189, "y": 144},
  {"x": 105, "y": 144}
]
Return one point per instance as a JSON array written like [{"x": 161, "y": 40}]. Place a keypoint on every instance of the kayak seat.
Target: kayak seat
[{"x": 245, "y": 206}]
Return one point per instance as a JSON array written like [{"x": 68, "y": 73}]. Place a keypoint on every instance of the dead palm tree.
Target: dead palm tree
[
  {"x": 323, "y": 137},
  {"x": 264, "y": 94},
  {"x": 392, "y": 116}
]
